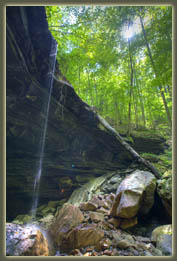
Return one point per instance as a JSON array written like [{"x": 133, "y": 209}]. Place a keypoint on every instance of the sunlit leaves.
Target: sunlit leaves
[{"x": 94, "y": 56}]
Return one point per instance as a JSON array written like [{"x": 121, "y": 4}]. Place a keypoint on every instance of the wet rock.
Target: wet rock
[
  {"x": 88, "y": 206},
  {"x": 100, "y": 202},
  {"x": 88, "y": 254},
  {"x": 68, "y": 217},
  {"x": 164, "y": 189},
  {"x": 96, "y": 217},
  {"x": 123, "y": 244},
  {"x": 135, "y": 194},
  {"x": 115, "y": 252},
  {"x": 143, "y": 239},
  {"x": 107, "y": 252},
  {"x": 88, "y": 190},
  {"x": 164, "y": 243},
  {"x": 105, "y": 225},
  {"x": 163, "y": 237},
  {"x": 82, "y": 236},
  {"x": 76, "y": 252},
  {"x": 122, "y": 238},
  {"x": 105, "y": 243},
  {"x": 25, "y": 241},
  {"x": 53, "y": 204},
  {"x": 161, "y": 230},
  {"x": 129, "y": 222},
  {"x": 46, "y": 210},
  {"x": 109, "y": 199},
  {"x": 115, "y": 222},
  {"x": 103, "y": 210},
  {"x": 22, "y": 219},
  {"x": 147, "y": 253}
]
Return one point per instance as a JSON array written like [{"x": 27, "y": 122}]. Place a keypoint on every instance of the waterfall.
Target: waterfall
[{"x": 49, "y": 83}]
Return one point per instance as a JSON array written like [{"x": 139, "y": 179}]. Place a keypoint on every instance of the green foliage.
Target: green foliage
[{"x": 94, "y": 55}]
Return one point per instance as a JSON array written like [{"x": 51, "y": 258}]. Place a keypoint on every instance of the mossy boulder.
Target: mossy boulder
[
  {"x": 22, "y": 219},
  {"x": 165, "y": 229},
  {"x": 164, "y": 189},
  {"x": 162, "y": 235}
]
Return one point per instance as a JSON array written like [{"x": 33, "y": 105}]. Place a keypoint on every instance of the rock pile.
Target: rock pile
[{"x": 101, "y": 225}]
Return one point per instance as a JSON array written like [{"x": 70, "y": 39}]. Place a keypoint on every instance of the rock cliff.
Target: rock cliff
[
  {"x": 76, "y": 146},
  {"x": 75, "y": 143}
]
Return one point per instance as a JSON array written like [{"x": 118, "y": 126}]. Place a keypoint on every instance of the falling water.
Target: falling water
[{"x": 49, "y": 83}]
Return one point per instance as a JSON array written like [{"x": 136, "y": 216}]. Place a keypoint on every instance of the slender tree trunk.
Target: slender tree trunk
[
  {"x": 169, "y": 91},
  {"x": 96, "y": 93},
  {"x": 153, "y": 65},
  {"x": 131, "y": 89},
  {"x": 135, "y": 155},
  {"x": 118, "y": 118},
  {"x": 79, "y": 76},
  {"x": 135, "y": 110},
  {"x": 89, "y": 87},
  {"x": 141, "y": 100}
]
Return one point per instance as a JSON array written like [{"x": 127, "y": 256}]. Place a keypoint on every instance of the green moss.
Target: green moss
[{"x": 151, "y": 157}]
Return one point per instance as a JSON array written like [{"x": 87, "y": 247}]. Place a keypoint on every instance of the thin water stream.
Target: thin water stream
[{"x": 52, "y": 61}]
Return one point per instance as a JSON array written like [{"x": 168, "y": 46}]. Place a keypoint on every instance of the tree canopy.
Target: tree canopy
[{"x": 119, "y": 60}]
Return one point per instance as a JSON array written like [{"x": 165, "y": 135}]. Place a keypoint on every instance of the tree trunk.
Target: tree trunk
[
  {"x": 153, "y": 65},
  {"x": 135, "y": 155},
  {"x": 141, "y": 100},
  {"x": 131, "y": 90}
]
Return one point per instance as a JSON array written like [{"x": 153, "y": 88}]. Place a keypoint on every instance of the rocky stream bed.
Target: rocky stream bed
[{"x": 113, "y": 215}]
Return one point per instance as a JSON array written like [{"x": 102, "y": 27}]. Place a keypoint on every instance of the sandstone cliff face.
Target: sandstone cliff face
[{"x": 75, "y": 144}]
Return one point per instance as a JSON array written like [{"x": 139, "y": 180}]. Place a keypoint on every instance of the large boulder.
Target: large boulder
[
  {"x": 161, "y": 230},
  {"x": 68, "y": 217},
  {"x": 134, "y": 195},
  {"x": 25, "y": 241},
  {"x": 82, "y": 236},
  {"x": 162, "y": 235},
  {"x": 164, "y": 189}
]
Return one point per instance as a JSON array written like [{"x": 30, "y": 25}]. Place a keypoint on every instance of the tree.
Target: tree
[{"x": 116, "y": 77}]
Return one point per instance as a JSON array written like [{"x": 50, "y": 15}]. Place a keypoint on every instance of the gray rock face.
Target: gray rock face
[
  {"x": 135, "y": 194},
  {"x": 164, "y": 243},
  {"x": 162, "y": 235}
]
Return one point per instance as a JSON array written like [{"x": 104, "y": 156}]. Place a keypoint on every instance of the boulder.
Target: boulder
[
  {"x": 96, "y": 217},
  {"x": 115, "y": 222},
  {"x": 68, "y": 217},
  {"x": 164, "y": 190},
  {"x": 53, "y": 203},
  {"x": 25, "y": 241},
  {"x": 129, "y": 222},
  {"x": 81, "y": 236},
  {"x": 104, "y": 244},
  {"x": 164, "y": 243},
  {"x": 161, "y": 230},
  {"x": 22, "y": 219},
  {"x": 162, "y": 235},
  {"x": 100, "y": 201},
  {"x": 134, "y": 195},
  {"x": 88, "y": 206}
]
